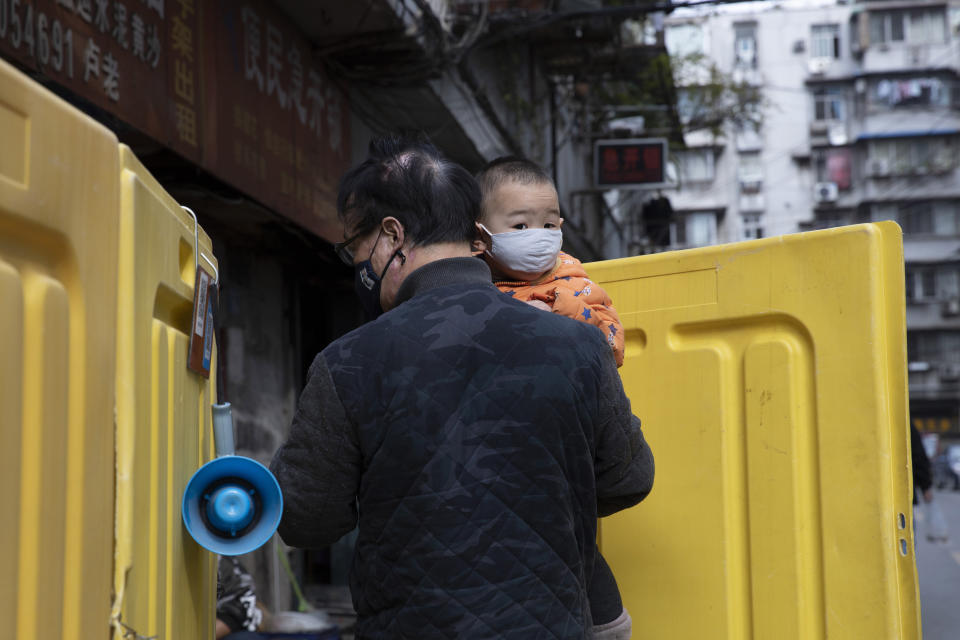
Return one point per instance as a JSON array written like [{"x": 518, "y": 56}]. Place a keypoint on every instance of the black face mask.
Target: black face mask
[{"x": 367, "y": 283}]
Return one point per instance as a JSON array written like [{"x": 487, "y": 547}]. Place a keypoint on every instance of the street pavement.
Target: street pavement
[{"x": 938, "y": 565}]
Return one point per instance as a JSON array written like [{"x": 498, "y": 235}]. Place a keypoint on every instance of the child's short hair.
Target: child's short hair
[{"x": 511, "y": 169}]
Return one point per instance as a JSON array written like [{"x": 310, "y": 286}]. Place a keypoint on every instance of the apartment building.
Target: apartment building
[{"x": 861, "y": 122}]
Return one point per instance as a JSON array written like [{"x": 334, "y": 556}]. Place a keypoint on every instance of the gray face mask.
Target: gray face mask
[{"x": 528, "y": 252}]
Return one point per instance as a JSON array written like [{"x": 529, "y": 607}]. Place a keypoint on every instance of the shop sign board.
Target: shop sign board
[{"x": 230, "y": 86}]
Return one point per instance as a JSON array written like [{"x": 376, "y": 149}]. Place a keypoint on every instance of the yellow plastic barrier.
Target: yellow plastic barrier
[
  {"x": 770, "y": 378},
  {"x": 58, "y": 285},
  {"x": 164, "y": 582},
  {"x": 101, "y": 423}
]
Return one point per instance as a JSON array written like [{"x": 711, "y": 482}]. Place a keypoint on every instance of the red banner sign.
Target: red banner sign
[{"x": 242, "y": 97}]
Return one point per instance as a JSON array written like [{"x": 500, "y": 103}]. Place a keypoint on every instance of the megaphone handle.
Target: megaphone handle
[{"x": 223, "y": 429}]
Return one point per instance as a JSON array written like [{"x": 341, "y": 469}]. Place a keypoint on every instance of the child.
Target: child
[
  {"x": 520, "y": 239},
  {"x": 519, "y": 196}
]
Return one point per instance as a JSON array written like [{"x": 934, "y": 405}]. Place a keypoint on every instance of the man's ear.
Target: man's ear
[
  {"x": 560, "y": 223},
  {"x": 480, "y": 242},
  {"x": 393, "y": 232}
]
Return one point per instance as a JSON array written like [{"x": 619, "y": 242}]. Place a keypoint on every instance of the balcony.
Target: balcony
[
  {"x": 898, "y": 36},
  {"x": 906, "y": 57}
]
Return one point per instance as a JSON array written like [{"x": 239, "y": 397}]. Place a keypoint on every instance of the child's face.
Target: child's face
[{"x": 513, "y": 206}]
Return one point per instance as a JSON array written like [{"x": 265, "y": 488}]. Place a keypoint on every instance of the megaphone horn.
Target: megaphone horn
[{"x": 232, "y": 504}]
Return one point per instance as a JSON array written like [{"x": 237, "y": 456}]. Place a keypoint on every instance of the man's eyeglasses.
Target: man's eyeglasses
[{"x": 342, "y": 250}]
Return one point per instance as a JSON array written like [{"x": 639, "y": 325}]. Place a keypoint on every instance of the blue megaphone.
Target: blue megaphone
[{"x": 232, "y": 505}]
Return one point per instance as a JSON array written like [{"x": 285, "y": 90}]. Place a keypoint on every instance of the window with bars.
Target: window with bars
[
  {"x": 829, "y": 104},
  {"x": 937, "y": 217},
  {"x": 825, "y": 41},
  {"x": 914, "y": 26},
  {"x": 907, "y": 156},
  {"x": 745, "y": 45},
  {"x": 752, "y": 226}
]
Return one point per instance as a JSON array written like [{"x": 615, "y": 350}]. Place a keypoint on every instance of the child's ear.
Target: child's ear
[{"x": 480, "y": 242}]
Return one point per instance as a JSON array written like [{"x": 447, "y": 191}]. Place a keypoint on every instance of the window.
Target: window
[
  {"x": 750, "y": 171},
  {"x": 946, "y": 218},
  {"x": 752, "y": 227},
  {"x": 829, "y": 104},
  {"x": 927, "y": 27},
  {"x": 921, "y": 284},
  {"x": 948, "y": 285},
  {"x": 696, "y": 165},
  {"x": 882, "y": 211},
  {"x": 917, "y": 26},
  {"x": 912, "y": 156},
  {"x": 936, "y": 346},
  {"x": 838, "y": 168},
  {"x": 745, "y": 45},
  {"x": 916, "y": 217},
  {"x": 825, "y": 41},
  {"x": 748, "y": 137},
  {"x": 697, "y": 229},
  {"x": 684, "y": 39},
  {"x": 689, "y": 103}
]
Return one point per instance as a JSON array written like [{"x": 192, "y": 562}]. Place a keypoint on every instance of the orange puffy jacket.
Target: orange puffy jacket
[{"x": 569, "y": 292}]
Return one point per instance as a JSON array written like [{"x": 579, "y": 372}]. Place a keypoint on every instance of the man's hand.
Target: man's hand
[
  {"x": 222, "y": 629},
  {"x": 539, "y": 304}
]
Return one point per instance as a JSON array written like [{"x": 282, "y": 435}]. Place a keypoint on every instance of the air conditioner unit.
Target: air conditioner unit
[
  {"x": 818, "y": 66},
  {"x": 951, "y": 307},
  {"x": 825, "y": 192},
  {"x": 878, "y": 167}
]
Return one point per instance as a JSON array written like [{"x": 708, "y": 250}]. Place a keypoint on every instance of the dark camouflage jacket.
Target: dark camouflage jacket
[{"x": 481, "y": 438}]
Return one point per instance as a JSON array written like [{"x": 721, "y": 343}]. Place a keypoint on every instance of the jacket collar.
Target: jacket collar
[{"x": 441, "y": 273}]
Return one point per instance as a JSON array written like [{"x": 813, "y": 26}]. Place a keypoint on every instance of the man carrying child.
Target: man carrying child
[{"x": 474, "y": 437}]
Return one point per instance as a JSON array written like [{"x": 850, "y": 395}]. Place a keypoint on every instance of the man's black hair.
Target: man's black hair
[
  {"x": 511, "y": 169},
  {"x": 406, "y": 177}
]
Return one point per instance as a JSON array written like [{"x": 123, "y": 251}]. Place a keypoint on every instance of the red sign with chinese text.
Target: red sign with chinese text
[
  {"x": 243, "y": 98},
  {"x": 632, "y": 163}
]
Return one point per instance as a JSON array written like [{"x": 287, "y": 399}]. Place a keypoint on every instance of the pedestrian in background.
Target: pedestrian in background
[{"x": 935, "y": 524}]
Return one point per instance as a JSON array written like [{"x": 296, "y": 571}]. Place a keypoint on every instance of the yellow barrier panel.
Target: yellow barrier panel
[
  {"x": 165, "y": 582},
  {"x": 770, "y": 378},
  {"x": 102, "y": 423},
  {"x": 58, "y": 276}
]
